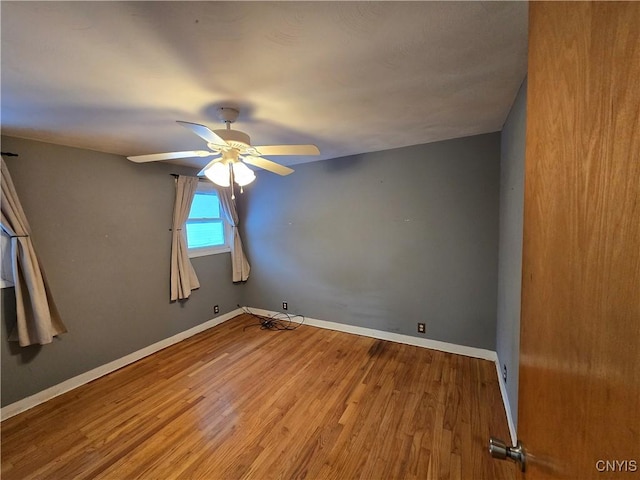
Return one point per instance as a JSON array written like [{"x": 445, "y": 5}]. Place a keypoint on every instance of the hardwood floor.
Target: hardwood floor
[{"x": 235, "y": 402}]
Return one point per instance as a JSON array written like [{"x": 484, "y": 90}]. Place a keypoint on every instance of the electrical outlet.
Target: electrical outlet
[
  {"x": 421, "y": 328},
  {"x": 285, "y": 305},
  {"x": 216, "y": 309},
  {"x": 504, "y": 372}
]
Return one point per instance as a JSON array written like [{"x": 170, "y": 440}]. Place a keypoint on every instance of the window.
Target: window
[
  {"x": 206, "y": 229},
  {"x": 6, "y": 275}
]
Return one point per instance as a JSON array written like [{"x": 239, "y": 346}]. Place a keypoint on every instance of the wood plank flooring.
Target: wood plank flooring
[{"x": 239, "y": 402}]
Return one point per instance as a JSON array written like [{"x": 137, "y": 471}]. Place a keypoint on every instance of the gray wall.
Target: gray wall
[
  {"x": 101, "y": 225},
  {"x": 383, "y": 240},
  {"x": 511, "y": 228}
]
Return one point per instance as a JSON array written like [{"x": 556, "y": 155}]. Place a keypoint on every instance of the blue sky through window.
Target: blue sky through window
[
  {"x": 205, "y": 228},
  {"x": 200, "y": 235},
  {"x": 205, "y": 205}
]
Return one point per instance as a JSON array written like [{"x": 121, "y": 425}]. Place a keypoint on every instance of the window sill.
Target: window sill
[
  {"x": 5, "y": 284},
  {"x": 202, "y": 252}
]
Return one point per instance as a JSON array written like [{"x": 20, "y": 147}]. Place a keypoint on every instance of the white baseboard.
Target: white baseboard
[
  {"x": 393, "y": 337},
  {"x": 419, "y": 342},
  {"x": 507, "y": 405},
  {"x": 77, "y": 381}
]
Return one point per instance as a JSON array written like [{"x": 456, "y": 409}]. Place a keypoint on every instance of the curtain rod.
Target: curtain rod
[{"x": 175, "y": 175}]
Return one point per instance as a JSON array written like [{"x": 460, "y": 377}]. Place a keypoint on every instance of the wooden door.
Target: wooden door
[{"x": 579, "y": 399}]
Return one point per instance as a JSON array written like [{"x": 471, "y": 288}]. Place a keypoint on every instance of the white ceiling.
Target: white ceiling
[{"x": 350, "y": 77}]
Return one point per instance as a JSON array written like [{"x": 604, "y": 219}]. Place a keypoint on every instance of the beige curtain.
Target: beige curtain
[
  {"x": 183, "y": 276},
  {"x": 239, "y": 264},
  {"x": 38, "y": 320}
]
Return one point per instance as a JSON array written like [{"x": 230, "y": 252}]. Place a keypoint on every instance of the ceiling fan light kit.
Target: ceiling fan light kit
[
  {"x": 235, "y": 151},
  {"x": 242, "y": 174},
  {"x": 218, "y": 174}
]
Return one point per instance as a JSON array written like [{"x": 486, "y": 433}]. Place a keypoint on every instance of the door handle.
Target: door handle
[{"x": 498, "y": 449}]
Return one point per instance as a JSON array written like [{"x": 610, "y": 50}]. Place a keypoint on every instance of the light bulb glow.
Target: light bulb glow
[
  {"x": 218, "y": 173},
  {"x": 242, "y": 174}
]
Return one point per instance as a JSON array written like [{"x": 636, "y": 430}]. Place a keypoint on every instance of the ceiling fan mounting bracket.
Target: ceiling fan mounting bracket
[{"x": 228, "y": 114}]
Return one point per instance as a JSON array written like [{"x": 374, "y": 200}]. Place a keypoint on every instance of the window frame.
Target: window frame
[{"x": 208, "y": 189}]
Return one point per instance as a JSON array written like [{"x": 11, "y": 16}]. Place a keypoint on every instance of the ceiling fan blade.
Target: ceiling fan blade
[
  {"x": 204, "y": 132},
  {"x": 201, "y": 172},
  {"x": 267, "y": 165},
  {"x": 154, "y": 157},
  {"x": 287, "y": 149}
]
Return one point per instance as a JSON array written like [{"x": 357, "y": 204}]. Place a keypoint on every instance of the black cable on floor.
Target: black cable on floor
[{"x": 279, "y": 321}]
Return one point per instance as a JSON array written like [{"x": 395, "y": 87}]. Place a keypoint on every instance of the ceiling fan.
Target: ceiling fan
[{"x": 234, "y": 150}]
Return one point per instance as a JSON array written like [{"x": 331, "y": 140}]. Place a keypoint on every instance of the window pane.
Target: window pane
[
  {"x": 205, "y": 234},
  {"x": 205, "y": 205}
]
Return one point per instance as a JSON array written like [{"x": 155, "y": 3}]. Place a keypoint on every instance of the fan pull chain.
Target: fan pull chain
[{"x": 233, "y": 195}]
